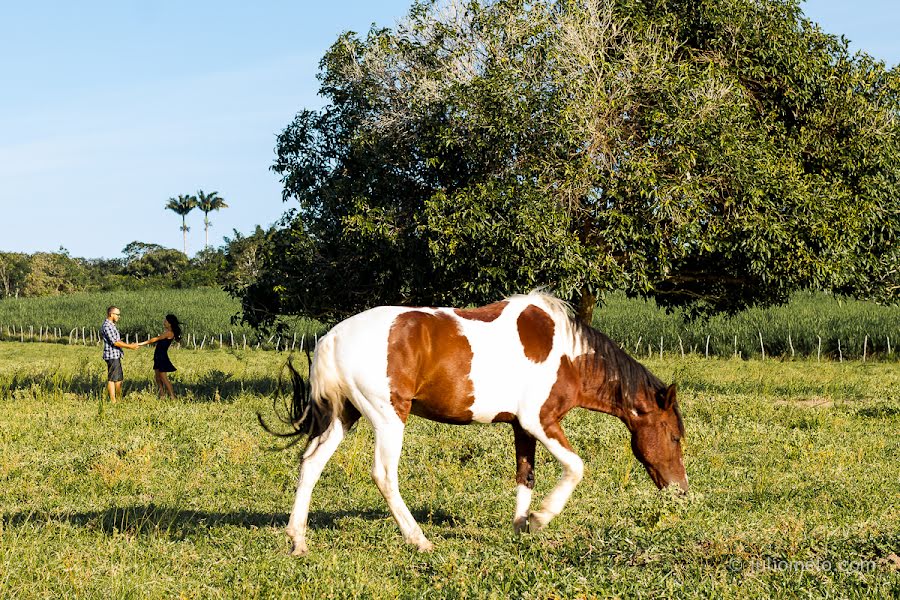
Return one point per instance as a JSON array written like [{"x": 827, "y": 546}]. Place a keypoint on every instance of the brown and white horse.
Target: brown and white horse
[{"x": 524, "y": 361}]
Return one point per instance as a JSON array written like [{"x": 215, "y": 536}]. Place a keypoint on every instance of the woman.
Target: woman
[{"x": 161, "y": 363}]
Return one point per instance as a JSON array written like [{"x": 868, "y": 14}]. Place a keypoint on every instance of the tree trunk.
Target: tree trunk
[
  {"x": 184, "y": 233},
  {"x": 586, "y": 304}
]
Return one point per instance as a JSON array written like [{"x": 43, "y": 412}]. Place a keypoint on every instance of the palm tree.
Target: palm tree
[
  {"x": 208, "y": 203},
  {"x": 182, "y": 205}
]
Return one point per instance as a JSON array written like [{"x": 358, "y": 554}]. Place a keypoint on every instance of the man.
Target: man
[{"x": 112, "y": 352}]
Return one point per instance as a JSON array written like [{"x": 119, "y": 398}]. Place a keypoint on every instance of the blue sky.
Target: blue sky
[{"x": 107, "y": 109}]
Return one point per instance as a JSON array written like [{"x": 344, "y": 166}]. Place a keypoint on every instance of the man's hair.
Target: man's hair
[{"x": 110, "y": 309}]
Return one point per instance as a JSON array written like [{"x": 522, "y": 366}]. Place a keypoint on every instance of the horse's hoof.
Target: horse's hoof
[
  {"x": 520, "y": 525},
  {"x": 537, "y": 520},
  {"x": 424, "y": 545},
  {"x": 299, "y": 549}
]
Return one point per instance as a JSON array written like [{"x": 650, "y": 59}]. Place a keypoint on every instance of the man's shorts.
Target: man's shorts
[{"x": 114, "y": 369}]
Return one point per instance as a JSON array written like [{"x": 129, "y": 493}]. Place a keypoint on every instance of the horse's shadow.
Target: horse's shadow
[{"x": 179, "y": 524}]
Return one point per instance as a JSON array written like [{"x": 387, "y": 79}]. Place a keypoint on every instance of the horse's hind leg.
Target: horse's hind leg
[
  {"x": 315, "y": 458},
  {"x": 388, "y": 445},
  {"x": 525, "y": 443}
]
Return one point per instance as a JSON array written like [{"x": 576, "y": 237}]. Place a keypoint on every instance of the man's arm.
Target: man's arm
[{"x": 121, "y": 344}]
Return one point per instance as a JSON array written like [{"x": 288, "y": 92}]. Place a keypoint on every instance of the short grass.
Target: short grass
[{"x": 793, "y": 465}]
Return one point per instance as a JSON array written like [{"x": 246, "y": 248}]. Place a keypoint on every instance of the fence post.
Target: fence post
[
  {"x": 762, "y": 347},
  {"x": 707, "y": 346},
  {"x": 840, "y": 354},
  {"x": 660, "y": 347},
  {"x": 865, "y": 346},
  {"x": 791, "y": 344}
]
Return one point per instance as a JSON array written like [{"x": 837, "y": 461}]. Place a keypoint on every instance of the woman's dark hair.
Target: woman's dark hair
[{"x": 176, "y": 326}]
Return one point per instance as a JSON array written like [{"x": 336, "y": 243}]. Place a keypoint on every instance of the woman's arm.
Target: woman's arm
[{"x": 167, "y": 335}]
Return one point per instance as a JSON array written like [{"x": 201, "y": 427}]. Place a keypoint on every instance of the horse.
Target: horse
[{"x": 525, "y": 360}]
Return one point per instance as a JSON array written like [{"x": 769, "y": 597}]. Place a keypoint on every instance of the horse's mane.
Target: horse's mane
[{"x": 606, "y": 360}]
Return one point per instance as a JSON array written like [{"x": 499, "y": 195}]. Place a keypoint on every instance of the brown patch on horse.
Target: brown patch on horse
[
  {"x": 536, "y": 333},
  {"x": 486, "y": 314},
  {"x": 565, "y": 394},
  {"x": 503, "y": 417},
  {"x": 429, "y": 360}
]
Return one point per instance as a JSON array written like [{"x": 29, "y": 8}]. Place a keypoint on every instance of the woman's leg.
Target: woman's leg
[
  {"x": 157, "y": 377},
  {"x": 168, "y": 384}
]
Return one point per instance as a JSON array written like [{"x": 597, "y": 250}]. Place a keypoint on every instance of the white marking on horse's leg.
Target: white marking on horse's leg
[
  {"x": 573, "y": 471},
  {"x": 523, "y": 504},
  {"x": 314, "y": 460},
  {"x": 388, "y": 445}
]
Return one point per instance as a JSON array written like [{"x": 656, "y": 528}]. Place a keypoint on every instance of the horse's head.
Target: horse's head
[{"x": 656, "y": 433}]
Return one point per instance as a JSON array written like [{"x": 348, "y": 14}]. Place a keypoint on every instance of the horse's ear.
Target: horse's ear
[{"x": 667, "y": 401}]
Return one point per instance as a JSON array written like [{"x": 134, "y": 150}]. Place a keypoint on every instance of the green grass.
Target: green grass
[
  {"x": 205, "y": 312},
  {"x": 638, "y": 325},
  {"x": 815, "y": 324},
  {"x": 793, "y": 466}
]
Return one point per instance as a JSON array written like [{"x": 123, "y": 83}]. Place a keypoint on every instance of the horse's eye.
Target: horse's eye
[{"x": 676, "y": 439}]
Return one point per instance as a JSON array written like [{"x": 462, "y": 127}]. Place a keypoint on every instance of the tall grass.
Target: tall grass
[
  {"x": 812, "y": 324},
  {"x": 205, "y": 312}
]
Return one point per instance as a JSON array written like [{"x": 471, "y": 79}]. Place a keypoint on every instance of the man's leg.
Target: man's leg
[
  {"x": 111, "y": 388},
  {"x": 119, "y": 389}
]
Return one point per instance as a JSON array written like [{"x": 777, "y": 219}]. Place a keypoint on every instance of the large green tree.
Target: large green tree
[{"x": 709, "y": 153}]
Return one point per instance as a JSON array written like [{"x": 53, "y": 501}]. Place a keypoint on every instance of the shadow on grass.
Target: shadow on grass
[{"x": 179, "y": 524}]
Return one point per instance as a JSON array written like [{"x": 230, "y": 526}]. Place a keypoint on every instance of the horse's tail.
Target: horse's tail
[{"x": 314, "y": 403}]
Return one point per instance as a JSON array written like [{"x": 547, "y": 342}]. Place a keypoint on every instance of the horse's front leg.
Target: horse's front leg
[
  {"x": 573, "y": 470},
  {"x": 525, "y": 444}
]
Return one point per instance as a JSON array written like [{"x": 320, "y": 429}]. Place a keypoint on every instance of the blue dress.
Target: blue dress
[{"x": 161, "y": 360}]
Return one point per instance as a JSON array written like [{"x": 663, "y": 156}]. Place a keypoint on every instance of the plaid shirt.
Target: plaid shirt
[{"x": 110, "y": 334}]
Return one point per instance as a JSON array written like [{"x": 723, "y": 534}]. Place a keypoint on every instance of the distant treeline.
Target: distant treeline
[{"x": 142, "y": 266}]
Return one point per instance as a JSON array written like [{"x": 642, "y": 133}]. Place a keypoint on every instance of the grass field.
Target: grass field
[
  {"x": 204, "y": 311},
  {"x": 815, "y": 325},
  {"x": 793, "y": 465}
]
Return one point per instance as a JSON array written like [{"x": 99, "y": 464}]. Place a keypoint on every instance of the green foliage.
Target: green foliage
[
  {"x": 13, "y": 270},
  {"x": 143, "y": 266},
  {"x": 160, "y": 262},
  {"x": 793, "y": 473},
  {"x": 715, "y": 155},
  {"x": 51, "y": 274}
]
